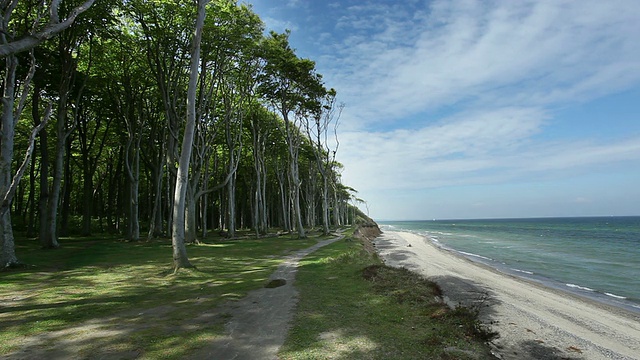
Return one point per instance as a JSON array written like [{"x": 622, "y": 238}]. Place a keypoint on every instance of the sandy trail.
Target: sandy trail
[
  {"x": 534, "y": 322},
  {"x": 259, "y": 322}
]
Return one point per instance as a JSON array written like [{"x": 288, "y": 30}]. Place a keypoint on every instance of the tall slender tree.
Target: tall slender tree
[{"x": 180, "y": 259}]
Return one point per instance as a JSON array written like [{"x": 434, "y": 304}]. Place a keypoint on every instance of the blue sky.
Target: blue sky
[{"x": 479, "y": 109}]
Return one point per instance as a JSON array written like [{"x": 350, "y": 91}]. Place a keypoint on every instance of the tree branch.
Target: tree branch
[
  {"x": 8, "y": 196},
  {"x": 55, "y": 26}
]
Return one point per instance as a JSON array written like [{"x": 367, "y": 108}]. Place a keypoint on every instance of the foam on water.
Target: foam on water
[{"x": 579, "y": 287}]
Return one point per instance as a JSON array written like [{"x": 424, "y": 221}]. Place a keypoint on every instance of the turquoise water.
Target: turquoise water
[{"x": 594, "y": 257}]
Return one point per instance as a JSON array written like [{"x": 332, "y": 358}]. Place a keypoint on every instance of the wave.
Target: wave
[
  {"x": 615, "y": 296},
  {"x": 592, "y": 290},
  {"x": 579, "y": 287},
  {"x": 475, "y": 255},
  {"x": 522, "y": 271},
  {"x": 435, "y": 233}
]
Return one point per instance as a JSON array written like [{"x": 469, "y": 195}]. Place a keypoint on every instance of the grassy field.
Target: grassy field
[{"x": 122, "y": 298}]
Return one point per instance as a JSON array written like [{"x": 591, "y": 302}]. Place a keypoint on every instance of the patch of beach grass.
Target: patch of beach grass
[
  {"x": 353, "y": 307},
  {"x": 101, "y": 293}
]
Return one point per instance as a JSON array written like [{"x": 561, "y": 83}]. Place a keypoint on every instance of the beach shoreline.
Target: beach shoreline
[{"x": 534, "y": 321}]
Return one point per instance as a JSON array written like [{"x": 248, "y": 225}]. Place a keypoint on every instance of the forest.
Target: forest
[{"x": 161, "y": 118}]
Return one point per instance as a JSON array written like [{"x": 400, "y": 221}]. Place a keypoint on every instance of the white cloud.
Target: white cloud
[
  {"x": 474, "y": 148},
  {"x": 279, "y": 25},
  {"x": 522, "y": 53}
]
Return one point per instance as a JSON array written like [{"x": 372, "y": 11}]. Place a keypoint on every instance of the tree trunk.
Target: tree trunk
[
  {"x": 35, "y": 114},
  {"x": 286, "y": 222},
  {"x": 67, "y": 188},
  {"x": 294, "y": 182},
  {"x": 191, "y": 221},
  {"x": 294, "y": 177},
  {"x": 7, "y": 132},
  {"x": 155, "y": 220},
  {"x": 325, "y": 206},
  {"x": 231, "y": 199},
  {"x": 135, "y": 196},
  {"x": 50, "y": 240},
  {"x": 180, "y": 259},
  {"x": 87, "y": 199},
  {"x": 132, "y": 167}
]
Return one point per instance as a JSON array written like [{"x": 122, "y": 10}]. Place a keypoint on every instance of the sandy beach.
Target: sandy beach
[{"x": 534, "y": 322}]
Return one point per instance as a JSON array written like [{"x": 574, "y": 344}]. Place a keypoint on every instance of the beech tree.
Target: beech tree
[
  {"x": 292, "y": 87},
  {"x": 20, "y": 30},
  {"x": 318, "y": 132},
  {"x": 180, "y": 259},
  {"x": 211, "y": 125}
]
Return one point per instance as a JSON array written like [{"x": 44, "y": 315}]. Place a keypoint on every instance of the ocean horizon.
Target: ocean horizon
[{"x": 593, "y": 257}]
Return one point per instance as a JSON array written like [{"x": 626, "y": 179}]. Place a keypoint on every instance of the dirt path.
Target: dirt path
[{"x": 259, "y": 322}]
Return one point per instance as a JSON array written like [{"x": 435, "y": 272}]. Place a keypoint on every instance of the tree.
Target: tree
[
  {"x": 165, "y": 28},
  {"x": 292, "y": 87},
  {"x": 325, "y": 157},
  {"x": 8, "y": 185},
  {"x": 180, "y": 259},
  {"x": 8, "y": 119},
  {"x": 68, "y": 44},
  {"x": 206, "y": 128}
]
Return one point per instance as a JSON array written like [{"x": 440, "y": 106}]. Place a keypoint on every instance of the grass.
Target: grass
[
  {"x": 353, "y": 307},
  {"x": 123, "y": 298},
  {"x": 129, "y": 291}
]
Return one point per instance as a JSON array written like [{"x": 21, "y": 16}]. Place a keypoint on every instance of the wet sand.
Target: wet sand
[{"x": 534, "y": 322}]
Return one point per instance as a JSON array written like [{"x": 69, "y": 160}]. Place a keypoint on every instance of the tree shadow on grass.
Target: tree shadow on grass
[
  {"x": 105, "y": 298},
  {"x": 114, "y": 327},
  {"x": 123, "y": 336}
]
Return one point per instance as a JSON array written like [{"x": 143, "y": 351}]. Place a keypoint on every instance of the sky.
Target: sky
[{"x": 479, "y": 109}]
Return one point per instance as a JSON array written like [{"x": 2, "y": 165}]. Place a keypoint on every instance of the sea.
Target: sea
[{"x": 593, "y": 257}]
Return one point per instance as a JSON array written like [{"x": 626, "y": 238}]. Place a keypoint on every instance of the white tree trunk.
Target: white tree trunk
[
  {"x": 180, "y": 259},
  {"x": 294, "y": 177},
  {"x": 325, "y": 205}
]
